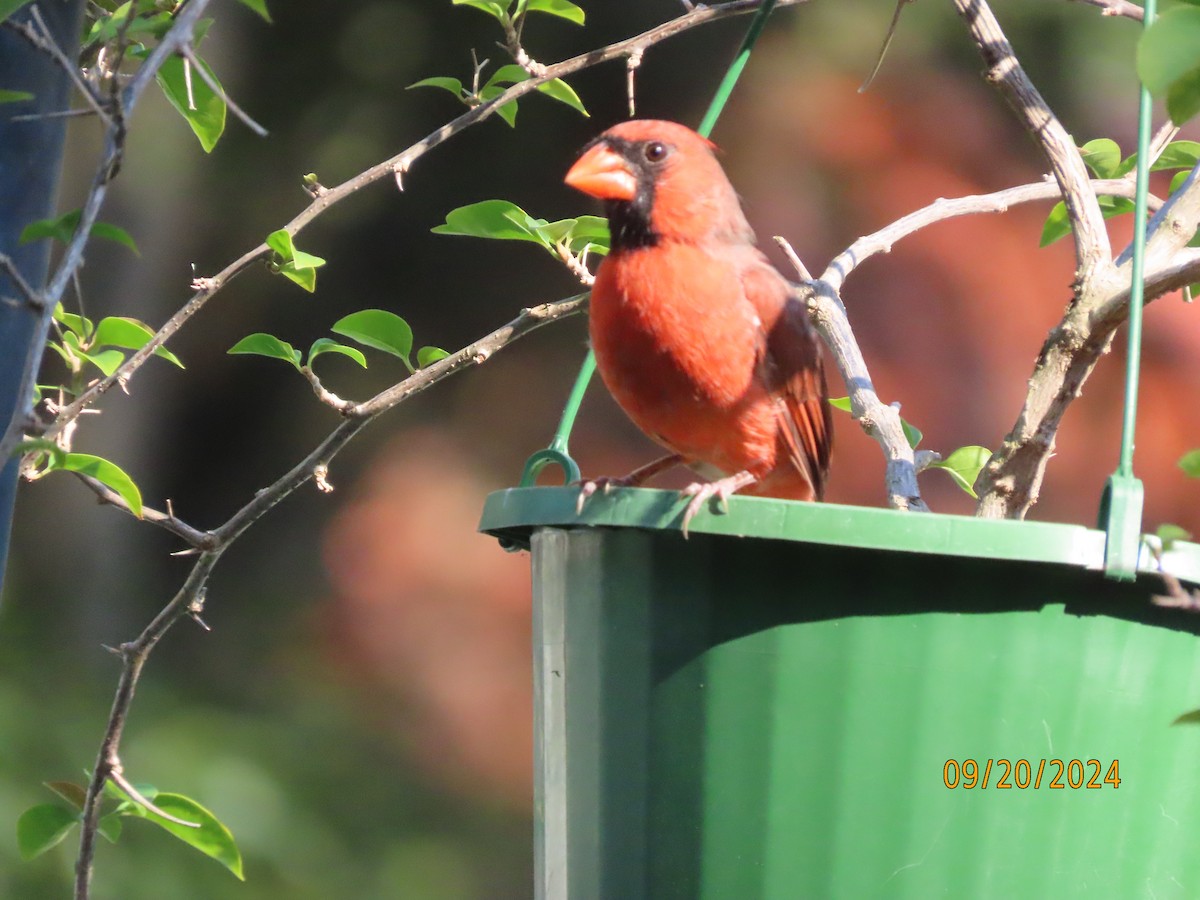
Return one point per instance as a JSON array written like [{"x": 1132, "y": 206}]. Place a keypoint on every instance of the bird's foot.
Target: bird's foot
[
  {"x": 636, "y": 478},
  {"x": 722, "y": 489}
]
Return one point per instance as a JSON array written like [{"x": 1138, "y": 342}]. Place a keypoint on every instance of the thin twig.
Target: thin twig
[
  {"x": 42, "y": 39},
  {"x": 202, "y": 540},
  {"x": 35, "y": 300},
  {"x": 1093, "y": 253},
  {"x": 942, "y": 209},
  {"x": 1122, "y": 8}
]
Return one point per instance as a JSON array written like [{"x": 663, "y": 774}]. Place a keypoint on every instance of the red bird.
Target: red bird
[{"x": 694, "y": 331}]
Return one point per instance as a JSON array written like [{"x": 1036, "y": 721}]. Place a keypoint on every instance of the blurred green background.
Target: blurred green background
[{"x": 360, "y": 714}]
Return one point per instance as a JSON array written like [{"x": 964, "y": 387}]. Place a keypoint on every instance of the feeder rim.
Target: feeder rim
[{"x": 512, "y": 515}]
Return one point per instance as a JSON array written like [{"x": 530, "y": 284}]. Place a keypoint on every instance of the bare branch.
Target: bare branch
[
  {"x": 942, "y": 209},
  {"x": 202, "y": 540},
  {"x": 1093, "y": 254}
]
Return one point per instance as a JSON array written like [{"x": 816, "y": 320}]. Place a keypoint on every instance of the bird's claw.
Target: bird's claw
[
  {"x": 604, "y": 484},
  {"x": 700, "y": 492}
]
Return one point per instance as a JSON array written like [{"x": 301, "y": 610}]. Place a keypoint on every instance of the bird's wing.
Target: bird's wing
[{"x": 791, "y": 368}]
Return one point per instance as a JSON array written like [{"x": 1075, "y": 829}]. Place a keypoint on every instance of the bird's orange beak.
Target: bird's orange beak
[{"x": 603, "y": 173}]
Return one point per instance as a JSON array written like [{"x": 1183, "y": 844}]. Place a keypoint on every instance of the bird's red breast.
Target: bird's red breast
[{"x": 694, "y": 331}]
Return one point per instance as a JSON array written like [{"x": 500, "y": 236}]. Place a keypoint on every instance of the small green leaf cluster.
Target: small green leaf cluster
[
  {"x": 1168, "y": 60},
  {"x": 1103, "y": 157},
  {"x": 374, "y": 328},
  {"x": 63, "y": 228},
  {"x": 42, "y": 827},
  {"x": 505, "y": 221},
  {"x": 292, "y": 263},
  {"x": 962, "y": 465},
  {"x": 80, "y": 342},
  {"x": 497, "y": 84},
  {"x": 506, "y": 14}
]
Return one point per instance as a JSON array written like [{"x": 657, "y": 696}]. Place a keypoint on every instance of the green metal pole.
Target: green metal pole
[
  {"x": 1121, "y": 507},
  {"x": 557, "y": 453}
]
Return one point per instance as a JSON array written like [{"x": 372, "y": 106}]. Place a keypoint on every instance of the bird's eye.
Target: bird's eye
[{"x": 655, "y": 151}]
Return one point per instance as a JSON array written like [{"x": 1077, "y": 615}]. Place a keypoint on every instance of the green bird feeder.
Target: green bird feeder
[{"x": 807, "y": 700}]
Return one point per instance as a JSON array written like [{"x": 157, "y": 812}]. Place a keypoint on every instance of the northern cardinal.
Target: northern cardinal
[{"x": 694, "y": 331}]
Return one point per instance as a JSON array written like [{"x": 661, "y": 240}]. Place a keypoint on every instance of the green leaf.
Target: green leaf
[
  {"x": 964, "y": 465},
  {"x": 120, "y": 331},
  {"x": 446, "y": 83},
  {"x": 427, "y": 356},
  {"x": 325, "y": 345},
  {"x": 1059, "y": 226},
  {"x": 295, "y": 264},
  {"x": 377, "y": 328},
  {"x": 259, "y": 6},
  {"x": 115, "y": 233},
  {"x": 205, "y": 112},
  {"x": 1168, "y": 62},
  {"x": 497, "y": 219},
  {"x": 506, "y": 75},
  {"x": 912, "y": 433},
  {"x": 1178, "y": 155},
  {"x": 110, "y": 827},
  {"x": 212, "y": 838},
  {"x": 41, "y": 827},
  {"x": 1102, "y": 156},
  {"x": 259, "y": 344},
  {"x": 586, "y": 231},
  {"x": 62, "y": 229},
  {"x": 7, "y": 96},
  {"x": 107, "y": 361},
  {"x": 73, "y": 793},
  {"x": 145, "y": 21},
  {"x": 1190, "y": 463},
  {"x": 562, "y": 8},
  {"x": 842, "y": 403},
  {"x": 1169, "y": 534},
  {"x": 563, "y": 93},
  {"x": 1183, "y": 97},
  {"x": 8, "y": 7},
  {"x": 305, "y": 276},
  {"x": 81, "y": 326},
  {"x": 281, "y": 242},
  {"x": 107, "y": 473},
  {"x": 495, "y": 10},
  {"x": 507, "y": 111}
]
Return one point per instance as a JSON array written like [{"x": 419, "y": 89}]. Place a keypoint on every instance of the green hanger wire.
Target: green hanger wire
[
  {"x": 1121, "y": 504},
  {"x": 557, "y": 453}
]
